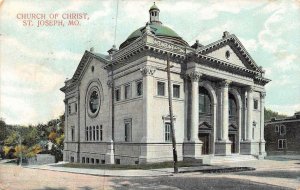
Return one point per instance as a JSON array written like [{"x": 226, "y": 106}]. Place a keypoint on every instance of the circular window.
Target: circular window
[
  {"x": 227, "y": 54},
  {"x": 94, "y": 101}
]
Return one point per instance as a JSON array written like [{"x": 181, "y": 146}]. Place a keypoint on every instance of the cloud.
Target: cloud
[
  {"x": 282, "y": 22},
  {"x": 209, "y": 35},
  {"x": 18, "y": 110},
  {"x": 9, "y": 9},
  {"x": 15, "y": 44},
  {"x": 28, "y": 85},
  {"x": 250, "y": 44},
  {"x": 287, "y": 62},
  {"x": 210, "y": 9}
]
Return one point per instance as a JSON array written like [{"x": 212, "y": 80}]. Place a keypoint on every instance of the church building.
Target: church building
[{"x": 116, "y": 105}]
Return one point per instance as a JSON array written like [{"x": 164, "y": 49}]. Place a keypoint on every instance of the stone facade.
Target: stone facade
[
  {"x": 117, "y": 104},
  {"x": 283, "y": 135}
]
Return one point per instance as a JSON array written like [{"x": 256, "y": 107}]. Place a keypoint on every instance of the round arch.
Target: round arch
[
  {"x": 210, "y": 90},
  {"x": 238, "y": 127},
  {"x": 210, "y": 141}
]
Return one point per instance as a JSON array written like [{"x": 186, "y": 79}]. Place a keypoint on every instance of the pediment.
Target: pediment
[
  {"x": 226, "y": 53},
  {"x": 237, "y": 56},
  {"x": 84, "y": 62},
  {"x": 233, "y": 127},
  {"x": 205, "y": 126}
]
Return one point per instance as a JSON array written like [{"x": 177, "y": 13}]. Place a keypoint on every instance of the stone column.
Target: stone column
[
  {"x": 193, "y": 148},
  {"x": 225, "y": 110},
  {"x": 223, "y": 147},
  {"x": 213, "y": 147},
  {"x": 249, "y": 113},
  {"x": 186, "y": 106},
  {"x": 262, "y": 142},
  {"x": 247, "y": 146},
  {"x": 110, "y": 156},
  {"x": 148, "y": 91},
  {"x": 194, "y": 76},
  {"x": 65, "y": 151}
]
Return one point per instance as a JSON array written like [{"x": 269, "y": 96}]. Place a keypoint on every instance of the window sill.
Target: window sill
[
  {"x": 128, "y": 100},
  {"x": 166, "y": 97}
]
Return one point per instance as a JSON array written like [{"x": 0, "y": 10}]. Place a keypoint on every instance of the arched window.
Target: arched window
[
  {"x": 90, "y": 130},
  {"x": 86, "y": 133},
  {"x": 232, "y": 106},
  {"x": 204, "y": 101},
  {"x": 101, "y": 133},
  {"x": 97, "y": 133},
  {"x": 94, "y": 133}
]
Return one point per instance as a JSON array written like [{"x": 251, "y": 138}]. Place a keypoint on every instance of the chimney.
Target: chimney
[
  {"x": 225, "y": 34},
  {"x": 112, "y": 50}
]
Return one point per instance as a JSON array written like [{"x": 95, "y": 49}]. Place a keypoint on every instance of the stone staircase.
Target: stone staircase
[{"x": 216, "y": 160}]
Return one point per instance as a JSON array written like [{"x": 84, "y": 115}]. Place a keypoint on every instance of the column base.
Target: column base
[
  {"x": 110, "y": 155},
  {"x": 249, "y": 148},
  {"x": 262, "y": 151},
  {"x": 223, "y": 148},
  {"x": 192, "y": 150}
]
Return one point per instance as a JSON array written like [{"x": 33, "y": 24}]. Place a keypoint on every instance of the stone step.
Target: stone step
[{"x": 231, "y": 158}]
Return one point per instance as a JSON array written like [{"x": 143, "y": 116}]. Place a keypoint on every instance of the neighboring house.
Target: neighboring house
[
  {"x": 218, "y": 100},
  {"x": 283, "y": 135}
]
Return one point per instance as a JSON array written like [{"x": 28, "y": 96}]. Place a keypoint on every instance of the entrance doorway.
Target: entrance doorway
[
  {"x": 232, "y": 138},
  {"x": 204, "y": 134},
  {"x": 204, "y": 137}
]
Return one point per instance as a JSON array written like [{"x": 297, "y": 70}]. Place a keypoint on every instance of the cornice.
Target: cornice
[
  {"x": 148, "y": 42},
  {"x": 220, "y": 64},
  {"x": 261, "y": 80}
]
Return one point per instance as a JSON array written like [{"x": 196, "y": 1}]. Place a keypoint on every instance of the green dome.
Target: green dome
[
  {"x": 159, "y": 30},
  {"x": 156, "y": 29}
]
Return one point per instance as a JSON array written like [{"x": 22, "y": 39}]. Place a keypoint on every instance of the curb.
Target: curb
[{"x": 104, "y": 175}]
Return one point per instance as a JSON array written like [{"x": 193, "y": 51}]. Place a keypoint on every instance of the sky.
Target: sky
[{"x": 35, "y": 61}]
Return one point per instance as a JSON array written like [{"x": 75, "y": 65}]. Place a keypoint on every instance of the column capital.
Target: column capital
[
  {"x": 250, "y": 89},
  {"x": 262, "y": 95},
  {"x": 194, "y": 76},
  {"x": 225, "y": 83},
  {"x": 148, "y": 70}
]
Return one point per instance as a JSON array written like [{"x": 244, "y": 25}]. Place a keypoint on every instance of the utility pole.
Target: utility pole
[
  {"x": 171, "y": 116},
  {"x": 21, "y": 150}
]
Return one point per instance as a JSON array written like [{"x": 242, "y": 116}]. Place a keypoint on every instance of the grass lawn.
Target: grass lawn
[{"x": 136, "y": 167}]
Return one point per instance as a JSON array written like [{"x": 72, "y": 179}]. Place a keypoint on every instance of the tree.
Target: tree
[
  {"x": 3, "y": 131},
  {"x": 12, "y": 139},
  {"x": 269, "y": 114}
]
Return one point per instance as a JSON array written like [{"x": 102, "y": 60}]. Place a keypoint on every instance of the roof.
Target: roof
[
  {"x": 239, "y": 46},
  {"x": 295, "y": 117},
  {"x": 157, "y": 29},
  {"x": 103, "y": 56}
]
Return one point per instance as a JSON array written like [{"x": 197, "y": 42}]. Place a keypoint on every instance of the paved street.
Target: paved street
[{"x": 270, "y": 175}]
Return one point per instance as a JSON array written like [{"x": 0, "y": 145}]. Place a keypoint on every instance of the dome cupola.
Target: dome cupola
[{"x": 154, "y": 14}]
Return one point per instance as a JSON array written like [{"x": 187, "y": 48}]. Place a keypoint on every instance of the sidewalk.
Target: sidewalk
[
  {"x": 133, "y": 173},
  {"x": 104, "y": 172},
  {"x": 258, "y": 165}
]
